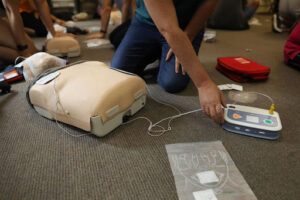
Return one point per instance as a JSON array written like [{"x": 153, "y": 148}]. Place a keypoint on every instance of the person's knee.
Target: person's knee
[
  {"x": 172, "y": 86},
  {"x": 113, "y": 63}
]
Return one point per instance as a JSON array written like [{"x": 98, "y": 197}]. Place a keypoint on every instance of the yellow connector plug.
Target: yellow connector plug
[{"x": 272, "y": 108}]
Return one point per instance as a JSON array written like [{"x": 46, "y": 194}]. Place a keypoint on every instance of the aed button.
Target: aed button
[
  {"x": 267, "y": 121},
  {"x": 236, "y": 116}
]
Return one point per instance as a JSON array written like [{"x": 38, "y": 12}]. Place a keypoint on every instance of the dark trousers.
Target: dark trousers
[
  {"x": 36, "y": 24},
  {"x": 142, "y": 45}
]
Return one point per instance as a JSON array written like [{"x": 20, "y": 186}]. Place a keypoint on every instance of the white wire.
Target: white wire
[
  {"x": 267, "y": 96},
  {"x": 163, "y": 103},
  {"x": 263, "y": 95},
  {"x": 16, "y": 60},
  {"x": 55, "y": 116},
  {"x": 161, "y": 130}
]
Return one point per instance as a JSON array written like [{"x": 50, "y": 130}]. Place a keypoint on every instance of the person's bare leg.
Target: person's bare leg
[
  {"x": 8, "y": 55},
  {"x": 8, "y": 46},
  {"x": 6, "y": 31}
]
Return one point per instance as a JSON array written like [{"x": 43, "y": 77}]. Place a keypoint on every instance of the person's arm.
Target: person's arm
[
  {"x": 200, "y": 17},
  {"x": 57, "y": 20},
  {"x": 105, "y": 16},
  {"x": 197, "y": 22},
  {"x": 126, "y": 10},
  {"x": 164, "y": 16},
  {"x": 33, "y": 7},
  {"x": 43, "y": 9},
  {"x": 134, "y": 7}
]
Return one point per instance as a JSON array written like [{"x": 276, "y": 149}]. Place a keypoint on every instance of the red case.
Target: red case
[
  {"x": 11, "y": 74},
  {"x": 241, "y": 69}
]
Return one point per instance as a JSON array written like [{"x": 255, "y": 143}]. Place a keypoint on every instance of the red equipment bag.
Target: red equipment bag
[
  {"x": 242, "y": 69},
  {"x": 11, "y": 74}
]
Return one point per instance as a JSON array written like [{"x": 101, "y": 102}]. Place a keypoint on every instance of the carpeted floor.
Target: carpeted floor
[{"x": 39, "y": 161}]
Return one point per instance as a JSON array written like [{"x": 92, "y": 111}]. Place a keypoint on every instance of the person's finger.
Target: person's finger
[
  {"x": 212, "y": 111},
  {"x": 223, "y": 102},
  {"x": 169, "y": 54},
  {"x": 206, "y": 111},
  {"x": 71, "y": 35},
  {"x": 220, "y": 113},
  {"x": 183, "y": 71},
  {"x": 177, "y": 66}
]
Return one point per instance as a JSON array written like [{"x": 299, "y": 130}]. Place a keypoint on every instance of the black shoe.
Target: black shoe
[
  {"x": 278, "y": 25},
  {"x": 5, "y": 88}
]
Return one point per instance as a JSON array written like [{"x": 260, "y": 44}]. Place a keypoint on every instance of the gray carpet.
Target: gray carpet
[{"x": 39, "y": 161}]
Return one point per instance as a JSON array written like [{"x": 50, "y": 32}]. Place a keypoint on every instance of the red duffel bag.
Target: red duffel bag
[{"x": 241, "y": 69}]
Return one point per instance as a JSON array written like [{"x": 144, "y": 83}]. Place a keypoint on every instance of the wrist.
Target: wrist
[
  {"x": 22, "y": 47},
  {"x": 103, "y": 31},
  {"x": 199, "y": 75}
]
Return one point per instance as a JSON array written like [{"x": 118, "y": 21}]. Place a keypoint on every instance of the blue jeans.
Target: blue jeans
[{"x": 142, "y": 45}]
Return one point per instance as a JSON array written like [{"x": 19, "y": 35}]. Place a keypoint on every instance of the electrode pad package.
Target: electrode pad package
[
  {"x": 205, "y": 171},
  {"x": 63, "y": 46},
  {"x": 88, "y": 95}
]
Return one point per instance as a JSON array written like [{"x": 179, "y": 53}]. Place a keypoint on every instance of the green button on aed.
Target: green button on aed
[{"x": 268, "y": 121}]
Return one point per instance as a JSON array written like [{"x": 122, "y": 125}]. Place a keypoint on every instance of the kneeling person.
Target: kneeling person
[{"x": 161, "y": 28}]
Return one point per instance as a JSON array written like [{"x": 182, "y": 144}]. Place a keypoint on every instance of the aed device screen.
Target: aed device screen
[{"x": 252, "y": 119}]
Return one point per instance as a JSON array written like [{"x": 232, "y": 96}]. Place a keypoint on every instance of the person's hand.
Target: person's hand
[
  {"x": 36, "y": 15},
  {"x": 95, "y": 36},
  {"x": 60, "y": 22},
  {"x": 212, "y": 100},
  {"x": 177, "y": 64},
  {"x": 59, "y": 34}
]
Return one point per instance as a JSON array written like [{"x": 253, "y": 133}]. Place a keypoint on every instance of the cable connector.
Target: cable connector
[{"x": 272, "y": 108}]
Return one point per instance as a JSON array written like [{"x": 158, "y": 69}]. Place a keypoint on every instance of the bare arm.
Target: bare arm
[
  {"x": 202, "y": 14},
  {"x": 105, "y": 16},
  {"x": 32, "y": 5},
  {"x": 164, "y": 16},
  {"x": 134, "y": 7},
  {"x": 43, "y": 9},
  {"x": 126, "y": 10}
]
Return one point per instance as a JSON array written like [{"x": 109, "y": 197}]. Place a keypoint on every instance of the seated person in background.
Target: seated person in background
[
  {"x": 162, "y": 28},
  {"x": 233, "y": 14},
  {"x": 31, "y": 20},
  {"x": 292, "y": 48},
  {"x": 286, "y": 15},
  {"x": 8, "y": 46},
  {"x": 22, "y": 44},
  {"x": 250, "y": 7},
  {"x": 105, "y": 15}
]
